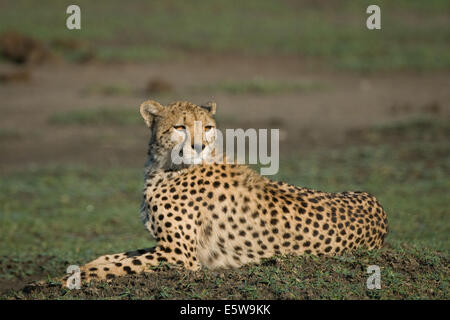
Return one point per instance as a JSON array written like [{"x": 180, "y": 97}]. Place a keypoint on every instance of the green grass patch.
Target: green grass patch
[
  {"x": 137, "y": 53},
  {"x": 71, "y": 212},
  {"x": 264, "y": 86},
  {"x": 98, "y": 116},
  {"x": 8, "y": 134},
  {"x": 109, "y": 90},
  {"x": 422, "y": 128}
]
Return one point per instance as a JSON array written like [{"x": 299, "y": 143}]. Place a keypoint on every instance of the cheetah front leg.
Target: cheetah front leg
[
  {"x": 135, "y": 264},
  {"x": 117, "y": 257}
]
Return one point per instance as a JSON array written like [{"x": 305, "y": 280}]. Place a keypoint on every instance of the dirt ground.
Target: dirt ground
[
  {"x": 330, "y": 115},
  {"x": 405, "y": 276}
]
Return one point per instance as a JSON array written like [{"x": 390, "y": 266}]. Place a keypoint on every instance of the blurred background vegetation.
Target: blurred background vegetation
[{"x": 415, "y": 33}]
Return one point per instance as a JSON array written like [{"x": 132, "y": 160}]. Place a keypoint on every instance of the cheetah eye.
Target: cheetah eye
[
  {"x": 207, "y": 128},
  {"x": 179, "y": 127}
]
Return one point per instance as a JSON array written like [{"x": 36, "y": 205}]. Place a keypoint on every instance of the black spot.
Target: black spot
[{"x": 128, "y": 270}]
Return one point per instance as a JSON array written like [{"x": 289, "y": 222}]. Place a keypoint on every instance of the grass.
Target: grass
[
  {"x": 108, "y": 90},
  {"x": 55, "y": 216},
  {"x": 7, "y": 134},
  {"x": 414, "y": 33},
  {"x": 264, "y": 86},
  {"x": 97, "y": 116},
  {"x": 45, "y": 210},
  {"x": 423, "y": 128}
]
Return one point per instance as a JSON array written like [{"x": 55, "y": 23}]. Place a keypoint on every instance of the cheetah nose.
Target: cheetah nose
[{"x": 198, "y": 147}]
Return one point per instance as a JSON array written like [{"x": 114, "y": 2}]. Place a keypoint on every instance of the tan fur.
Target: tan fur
[{"x": 227, "y": 215}]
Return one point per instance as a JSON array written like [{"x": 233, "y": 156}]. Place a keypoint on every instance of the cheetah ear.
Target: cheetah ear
[
  {"x": 210, "y": 107},
  {"x": 150, "y": 109}
]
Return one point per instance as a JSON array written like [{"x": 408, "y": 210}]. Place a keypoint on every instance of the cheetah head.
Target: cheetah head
[{"x": 182, "y": 134}]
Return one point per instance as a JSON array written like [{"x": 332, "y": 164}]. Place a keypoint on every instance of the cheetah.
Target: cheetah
[{"x": 225, "y": 215}]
